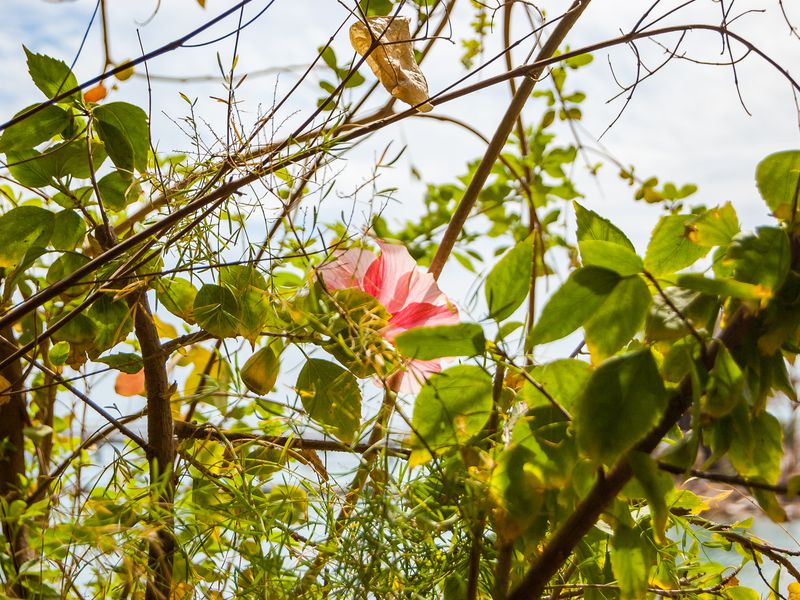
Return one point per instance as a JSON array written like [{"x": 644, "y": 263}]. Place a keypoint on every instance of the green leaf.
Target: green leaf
[
  {"x": 22, "y": 228},
  {"x": 622, "y": 401},
  {"x": 241, "y": 278},
  {"x": 374, "y": 8},
  {"x": 671, "y": 248},
  {"x": 715, "y": 227},
  {"x": 124, "y": 129},
  {"x": 427, "y": 343},
  {"x": 113, "y": 319},
  {"x": 611, "y": 256},
  {"x": 80, "y": 330},
  {"x": 58, "y": 354},
  {"x": 655, "y": 485},
  {"x": 729, "y": 288},
  {"x": 664, "y": 323},
  {"x": 30, "y": 168},
  {"x": 50, "y": 75},
  {"x": 126, "y": 362},
  {"x": 69, "y": 230},
  {"x": 546, "y": 434},
  {"x": 34, "y": 130},
  {"x": 778, "y": 178},
  {"x": 769, "y": 503},
  {"x": 118, "y": 190},
  {"x": 217, "y": 310},
  {"x": 508, "y": 282},
  {"x": 618, "y": 318},
  {"x": 64, "y": 265},
  {"x": 260, "y": 372},
  {"x": 562, "y": 379},
  {"x": 71, "y": 158},
  {"x": 516, "y": 485},
  {"x": 452, "y": 407},
  {"x": 631, "y": 558},
  {"x": 761, "y": 259},
  {"x": 573, "y": 303},
  {"x": 726, "y": 385},
  {"x": 289, "y": 503},
  {"x": 331, "y": 397},
  {"x": 739, "y": 592},
  {"x": 756, "y": 445},
  {"x": 178, "y": 297},
  {"x": 592, "y": 226}
]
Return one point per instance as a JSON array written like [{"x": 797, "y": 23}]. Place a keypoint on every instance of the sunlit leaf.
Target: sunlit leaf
[
  {"x": 331, "y": 396},
  {"x": 715, "y": 227},
  {"x": 178, "y": 296},
  {"x": 778, "y": 180},
  {"x": 427, "y": 343},
  {"x": 574, "y": 303},
  {"x": 20, "y": 229},
  {"x": 452, "y": 407},
  {"x": 217, "y": 310},
  {"x": 593, "y": 227},
  {"x": 622, "y": 401},
  {"x": 508, "y": 282},
  {"x": 50, "y": 75},
  {"x": 34, "y": 130},
  {"x": 671, "y": 248},
  {"x": 260, "y": 372},
  {"x": 611, "y": 256},
  {"x": 124, "y": 129}
]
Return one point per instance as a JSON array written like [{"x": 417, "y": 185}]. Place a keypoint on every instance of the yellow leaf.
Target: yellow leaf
[
  {"x": 794, "y": 590},
  {"x": 165, "y": 330},
  {"x": 393, "y": 60}
]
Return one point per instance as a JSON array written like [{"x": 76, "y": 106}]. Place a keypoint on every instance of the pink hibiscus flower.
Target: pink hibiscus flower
[{"x": 409, "y": 295}]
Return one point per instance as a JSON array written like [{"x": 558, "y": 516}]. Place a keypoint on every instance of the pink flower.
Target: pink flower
[{"x": 409, "y": 295}]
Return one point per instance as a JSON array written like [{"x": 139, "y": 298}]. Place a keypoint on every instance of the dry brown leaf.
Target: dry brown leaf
[
  {"x": 5, "y": 389},
  {"x": 393, "y": 61}
]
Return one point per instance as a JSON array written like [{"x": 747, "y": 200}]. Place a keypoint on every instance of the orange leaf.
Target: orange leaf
[
  {"x": 95, "y": 94},
  {"x": 130, "y": 385}
]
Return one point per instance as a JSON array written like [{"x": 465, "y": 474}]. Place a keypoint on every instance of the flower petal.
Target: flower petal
[
  {"x": 384, "y": 275},
  {"x": 415, "y": 375},
  {"x": 420, "y": 314},
  {"x": 347, "y": 269},
  {"x": 395, "y": 280}
]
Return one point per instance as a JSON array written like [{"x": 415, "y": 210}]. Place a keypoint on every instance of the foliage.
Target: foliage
[{"x": 284, "y": 454}]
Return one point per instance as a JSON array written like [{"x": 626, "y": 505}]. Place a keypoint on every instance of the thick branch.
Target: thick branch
[
  {"x": 161, "y": 451},
  {"x": 12, "y": 460}
]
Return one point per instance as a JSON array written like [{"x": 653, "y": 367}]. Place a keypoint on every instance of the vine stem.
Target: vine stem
[{"x": 498, "y": 141}]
